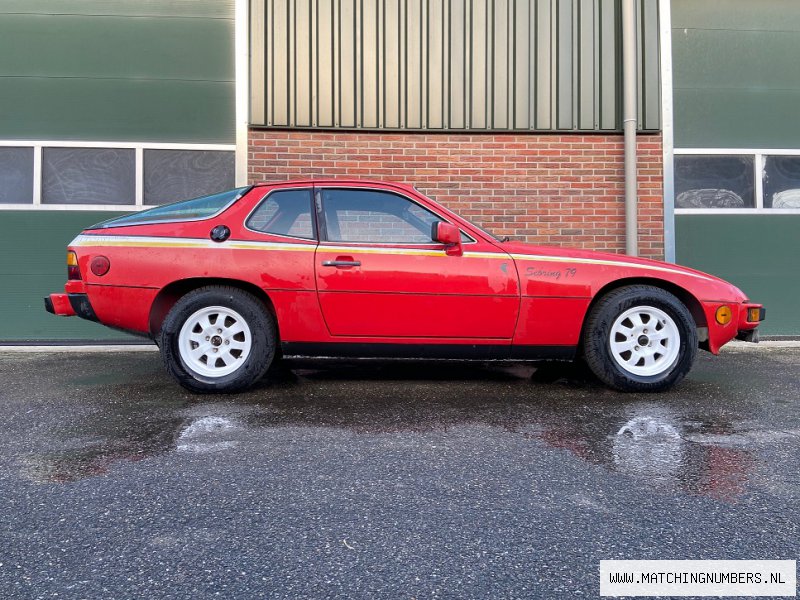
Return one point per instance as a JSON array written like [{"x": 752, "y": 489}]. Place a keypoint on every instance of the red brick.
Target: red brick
[{"x": 564, "y": 190}]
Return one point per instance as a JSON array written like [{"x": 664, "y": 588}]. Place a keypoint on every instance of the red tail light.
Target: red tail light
[
  {"x": 73, "y": 272},
  {"x": 100, "y": 265}
]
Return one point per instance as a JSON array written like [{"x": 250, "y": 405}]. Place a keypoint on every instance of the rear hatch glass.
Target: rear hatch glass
[{"x": 195, "y": 209}]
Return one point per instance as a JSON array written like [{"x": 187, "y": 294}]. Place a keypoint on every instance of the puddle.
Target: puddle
[
  {"x": 674, "y": 440},
  {"x": 203, "y": 435},
  {"x": 661, "y": 452}
]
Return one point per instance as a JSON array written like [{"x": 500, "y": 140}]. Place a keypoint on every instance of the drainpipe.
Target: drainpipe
[{"x": 629, "y": 122}]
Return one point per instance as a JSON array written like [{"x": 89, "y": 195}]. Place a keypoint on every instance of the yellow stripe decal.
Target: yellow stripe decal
[
  {"x": 601, "y": 261},
  {"x": 406, "y": 251},
  {"x": 157, "y": 242},
  {"x": 161, "y": 242}
]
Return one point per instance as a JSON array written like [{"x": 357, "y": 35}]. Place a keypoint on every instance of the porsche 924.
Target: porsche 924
[{"x": 227, "y": 283}]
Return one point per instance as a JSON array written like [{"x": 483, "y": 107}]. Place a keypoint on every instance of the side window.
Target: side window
[
  {"x": 284, "y": 212},
  {"x": 377, "y": 217}
]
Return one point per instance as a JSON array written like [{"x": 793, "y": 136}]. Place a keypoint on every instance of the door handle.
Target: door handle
[{"x": 341, "y": 263}]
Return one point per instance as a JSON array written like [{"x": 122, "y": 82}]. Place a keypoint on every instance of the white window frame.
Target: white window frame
[
  {"x": 138, "y": 147},
  {"x": 758, "y": 155}
]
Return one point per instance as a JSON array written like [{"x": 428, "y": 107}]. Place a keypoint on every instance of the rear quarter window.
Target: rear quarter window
[{"x": 286, "y": 213}]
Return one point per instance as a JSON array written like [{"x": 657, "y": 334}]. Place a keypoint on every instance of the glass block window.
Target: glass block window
[
  {"x": 711, "y": 181},
  {"x": 172, "y": 175},
  {"x": 16, "y": 175},
  {"x": 781, "y": 181},
  {"x": 88, "y": 176}
]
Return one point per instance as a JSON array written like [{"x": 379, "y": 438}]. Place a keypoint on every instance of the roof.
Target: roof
[{"x": 338, "y": 182}]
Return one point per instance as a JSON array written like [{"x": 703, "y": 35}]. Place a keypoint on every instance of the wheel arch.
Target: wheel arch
[
  {"x": 685, "y": 296},
  {"x": 172, "y": 292}
]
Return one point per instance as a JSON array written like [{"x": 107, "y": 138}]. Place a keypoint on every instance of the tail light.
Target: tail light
[
  {"x": 100, "y": 265},
  {"x": 73, "y": 272}
]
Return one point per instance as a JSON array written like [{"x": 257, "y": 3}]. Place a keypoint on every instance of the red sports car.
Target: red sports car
[{"x": 226, "y": 283}]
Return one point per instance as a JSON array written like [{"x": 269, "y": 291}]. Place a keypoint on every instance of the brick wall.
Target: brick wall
[{"x": 563, "y": 190}]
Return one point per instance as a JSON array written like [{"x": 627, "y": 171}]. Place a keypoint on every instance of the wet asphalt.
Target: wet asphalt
[{"x": 379, "y": 480}]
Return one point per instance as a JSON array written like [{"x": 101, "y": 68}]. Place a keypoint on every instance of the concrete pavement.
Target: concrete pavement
[{"x": 399, "y": 480}]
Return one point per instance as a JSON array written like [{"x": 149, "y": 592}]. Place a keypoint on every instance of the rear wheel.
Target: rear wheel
[
  {"x": 640, "y": 338},
  {"x": 218, "y": 339}
]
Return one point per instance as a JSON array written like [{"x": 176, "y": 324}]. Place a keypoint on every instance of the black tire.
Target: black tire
[
  {"x": 597, "y": 339},
  {"x": 262, "y": 347}
]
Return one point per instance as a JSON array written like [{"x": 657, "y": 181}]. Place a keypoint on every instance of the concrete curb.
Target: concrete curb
[
  {"x": 93, "y": 349},
  {"x": 764, "y": 345}
]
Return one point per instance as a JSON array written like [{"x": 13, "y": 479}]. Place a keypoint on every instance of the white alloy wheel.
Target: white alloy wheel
[
  {"x": 645, "y": 341},
  {"x": 215, "y": 341}
]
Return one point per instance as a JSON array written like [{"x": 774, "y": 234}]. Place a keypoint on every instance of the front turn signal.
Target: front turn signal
[{"x": 724, "y": 315}]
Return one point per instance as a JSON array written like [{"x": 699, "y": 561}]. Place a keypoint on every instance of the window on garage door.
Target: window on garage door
[{"x": 703, "y": 181}]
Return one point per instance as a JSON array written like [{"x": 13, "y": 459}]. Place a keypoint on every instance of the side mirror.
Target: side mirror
[{"x": 449, "y": 235}]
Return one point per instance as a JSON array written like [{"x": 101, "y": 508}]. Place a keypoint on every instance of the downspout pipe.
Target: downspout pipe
[{"x": 629, "y": 124}]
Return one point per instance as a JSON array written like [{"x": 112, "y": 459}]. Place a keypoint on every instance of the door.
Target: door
[{"x": 380, "y": 275}]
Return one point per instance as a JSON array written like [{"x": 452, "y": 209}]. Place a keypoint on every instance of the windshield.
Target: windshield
[
  {"x": 478, "y": 227},
  {"x": 185, "y": 210},
  {"x": 486, "y": 232}
]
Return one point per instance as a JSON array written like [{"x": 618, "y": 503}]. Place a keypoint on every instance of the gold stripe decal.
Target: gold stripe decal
[
  {"x": 164, "y": 242},
  {"x": 601, "y": 261},
  {"x": 407, "y": 251}
]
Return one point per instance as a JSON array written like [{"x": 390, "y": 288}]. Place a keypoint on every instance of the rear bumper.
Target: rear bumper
[
  {"x": 59, "y": 304},
  {"x": 68, "y": 305}
]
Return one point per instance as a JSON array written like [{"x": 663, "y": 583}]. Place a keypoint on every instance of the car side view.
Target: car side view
[{"x": 226, "y": 283}]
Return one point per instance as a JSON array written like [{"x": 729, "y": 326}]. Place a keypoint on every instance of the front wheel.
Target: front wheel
[
  {"x": 218, "y": 339},
  {"x": 640, "y": 339}
]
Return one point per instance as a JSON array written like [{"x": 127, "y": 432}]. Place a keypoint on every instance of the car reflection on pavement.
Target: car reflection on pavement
[
  {"x": 655, "y": 442},
  {"x": 652, "y": 449}
]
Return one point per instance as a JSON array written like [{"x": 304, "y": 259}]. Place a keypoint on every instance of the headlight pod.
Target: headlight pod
[{"x": 724, "y": 315}]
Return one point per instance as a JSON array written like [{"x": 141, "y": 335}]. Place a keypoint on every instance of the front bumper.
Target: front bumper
[
  {"x": 68, "y": 305},
  {"x": 743, "y": 325},
  {"x": 748, "y": 335},
  {"x": 750, "y": 315}
]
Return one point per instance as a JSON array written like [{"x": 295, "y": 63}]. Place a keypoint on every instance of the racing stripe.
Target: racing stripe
[
  {"x": 165, "y": 242},
  {"x": 602, "y": 261}
]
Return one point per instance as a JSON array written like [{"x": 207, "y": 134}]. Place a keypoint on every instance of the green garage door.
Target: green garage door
[
  {"x": 758, "y": 253},
  {"x": 104, "y": 105},
  {"x": 737, "y": 147}
]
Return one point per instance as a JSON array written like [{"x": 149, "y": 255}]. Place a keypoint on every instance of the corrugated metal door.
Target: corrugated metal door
[{"x": 545, "y": 65}]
